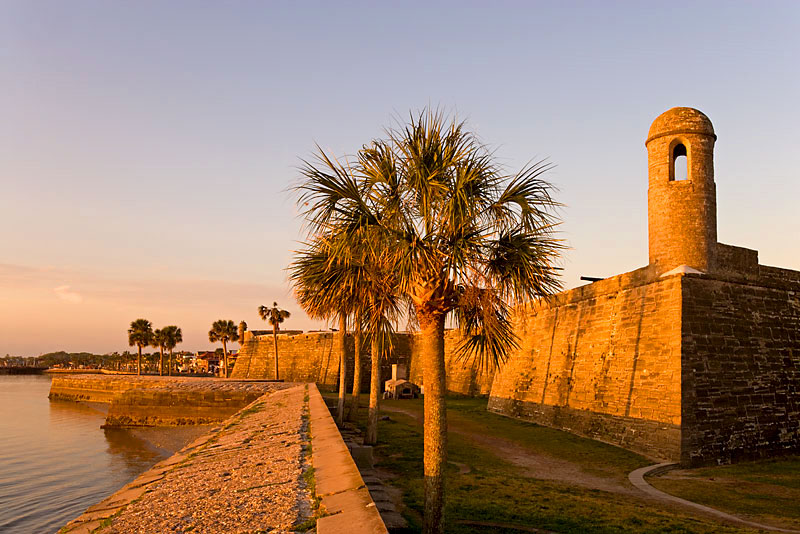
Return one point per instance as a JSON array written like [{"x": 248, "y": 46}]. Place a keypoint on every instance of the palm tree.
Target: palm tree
[
  {"x": 275, "y": 316},
  {"x": 174, "y": 336},
  {"x": 140, "y": 334},
  {"x": 223, "y": 331},
  {"x": 466, "y": 240},
  {"x": 383, "y": 302},
  {"x": 326, "y": 287},
  {"x": 159, "y": 341},
  {"x": 352, "y": 408}
]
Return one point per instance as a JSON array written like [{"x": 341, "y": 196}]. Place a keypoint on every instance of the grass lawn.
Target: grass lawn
[
  {"x": 766, "y": 490},
  {"x": 499, "y": 492}
]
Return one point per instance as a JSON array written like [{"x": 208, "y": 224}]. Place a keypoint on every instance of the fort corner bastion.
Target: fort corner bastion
[{"x": 693, "y": 358}]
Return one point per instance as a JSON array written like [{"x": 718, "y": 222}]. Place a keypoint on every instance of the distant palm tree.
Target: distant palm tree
[
  {"x": 174, "y": 337},
  {"x": 223, "y": 331},
  {"x": 140, "y": 334},
  {"x": 159, "y": 341},
  {"x": 274, "y": 316},
  {"x": 466, "y": 240}
]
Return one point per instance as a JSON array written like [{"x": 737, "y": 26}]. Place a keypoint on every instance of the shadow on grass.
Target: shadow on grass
[{"x": 494, "y": 491}]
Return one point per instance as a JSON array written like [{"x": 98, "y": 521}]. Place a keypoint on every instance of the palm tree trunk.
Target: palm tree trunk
[
  {"x": 342, "y": 368},
  {"x": 275, "y": 339},
  {"x": 435, "y": 420},
  {"x": 139, "y": 362},
  {"x": 161, "y": 361},
  {"x": 225, "y": 359},
  {"x": 352, "y": 412},
  {"x": 169, "y": 371},
  {"x": 371, "y": 437}
]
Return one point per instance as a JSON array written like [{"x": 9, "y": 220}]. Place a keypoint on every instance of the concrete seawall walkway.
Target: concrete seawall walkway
[
  {"x": 244, "y": 476},
  {"x": 342, "y": 491},
  {"x": 253, "y": 473}
]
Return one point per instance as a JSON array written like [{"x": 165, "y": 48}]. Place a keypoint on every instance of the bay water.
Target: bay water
[{"x": 56, "y": 461}]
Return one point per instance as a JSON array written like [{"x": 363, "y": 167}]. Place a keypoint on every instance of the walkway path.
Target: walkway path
[
  {"x": 534, "y": 465},
  {"x": 245, "y": 476},
  {"x": 546, "y": 467},
  {"x": 637, "y": 479}
]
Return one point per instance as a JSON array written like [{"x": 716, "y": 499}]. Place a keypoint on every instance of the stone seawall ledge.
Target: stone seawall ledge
[
  {"x": 161, "y": 400},
  {"x": 261, "y": 470}
]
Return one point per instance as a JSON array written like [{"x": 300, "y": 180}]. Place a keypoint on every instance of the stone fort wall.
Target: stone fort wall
[
  {"x": 696, "y": 368},
  {"x": 741, "y": 366},
  {"x": 602, "y": 360},
  {"x": 314, "y": 357}
]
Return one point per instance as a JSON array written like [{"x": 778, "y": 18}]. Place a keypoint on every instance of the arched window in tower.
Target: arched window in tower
[{"x": 680, "y": 164}]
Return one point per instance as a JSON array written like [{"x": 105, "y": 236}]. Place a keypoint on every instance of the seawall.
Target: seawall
[
  {"x": 155, "y": 401},
  {"x": 263, "y": 469}
]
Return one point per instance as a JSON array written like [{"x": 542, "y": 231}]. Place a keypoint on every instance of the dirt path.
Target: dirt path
[{"x": 533, "y": 465}]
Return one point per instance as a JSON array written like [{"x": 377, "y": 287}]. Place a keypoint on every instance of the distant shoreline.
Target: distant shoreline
[{"x": 22, "y": 370}]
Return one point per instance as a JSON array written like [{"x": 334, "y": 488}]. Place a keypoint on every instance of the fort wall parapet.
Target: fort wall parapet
[{"x": 314, "y": 357}]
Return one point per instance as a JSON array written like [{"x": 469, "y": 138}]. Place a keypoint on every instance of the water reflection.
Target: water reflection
[{"x": 56, "y": 461}]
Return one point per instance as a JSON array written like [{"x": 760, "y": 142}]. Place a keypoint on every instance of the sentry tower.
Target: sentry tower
[{"x": 682, "y": 199}]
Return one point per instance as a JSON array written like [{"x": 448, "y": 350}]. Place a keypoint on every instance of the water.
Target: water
[{"x": 56, "y": 461}]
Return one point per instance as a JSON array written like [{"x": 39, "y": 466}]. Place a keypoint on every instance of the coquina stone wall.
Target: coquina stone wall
[
  {"x": 741, "y": 366},
  {"x": 603, "y": 361},
  {"x": 314, "y": 357},
  {"x": 160, "y": 400}
]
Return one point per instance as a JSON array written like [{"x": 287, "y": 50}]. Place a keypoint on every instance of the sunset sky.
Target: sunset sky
[{"x": 147, "y": 148}]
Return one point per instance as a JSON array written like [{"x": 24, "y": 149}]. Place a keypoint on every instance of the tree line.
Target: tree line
[{"x": 141, "y": 335}]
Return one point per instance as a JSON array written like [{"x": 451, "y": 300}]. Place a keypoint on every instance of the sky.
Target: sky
[{"x": 148, "y": 149}]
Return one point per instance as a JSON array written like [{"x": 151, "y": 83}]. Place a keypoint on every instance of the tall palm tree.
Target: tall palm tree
[
  {"x": 223, "y": 331},
  {"x": 140, "y": 334},
  {"x": 322, "y": 287},
  {"x": 274, "y": 316},
  {"x": 353, "y": 405},
  {"x": 174, "y": 337},
  {"x": 159, "y": 341},
  {"x": 467, "y": 240},
  {"x": 383, "y": 301},
  {"x": 326, "y": 287}
]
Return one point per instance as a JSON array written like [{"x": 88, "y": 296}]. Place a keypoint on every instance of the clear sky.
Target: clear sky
[{"x": 146, "y": 147}]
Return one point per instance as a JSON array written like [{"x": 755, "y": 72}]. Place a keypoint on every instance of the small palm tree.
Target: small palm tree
[
  {"x": 352, "y": 282},
  {"x": 174, "y": 337},
  {"x": 223, "y": 331},
  {"x": 159, "y": 341},
  {"x": 274, "y": 316},
  {"x": 327, "y": 286},
  {"x": 140, "y": 334},
  {"x": 465, "y": 240}
]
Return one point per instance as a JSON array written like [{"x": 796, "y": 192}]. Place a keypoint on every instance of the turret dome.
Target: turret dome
[{"x": 681, "y": 120}]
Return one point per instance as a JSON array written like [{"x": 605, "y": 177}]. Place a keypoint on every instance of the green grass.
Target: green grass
[
  {"x": 767, "y": 490},
  {"x": 495, "y": 491},
  {"x": 592, "y": 456}
]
